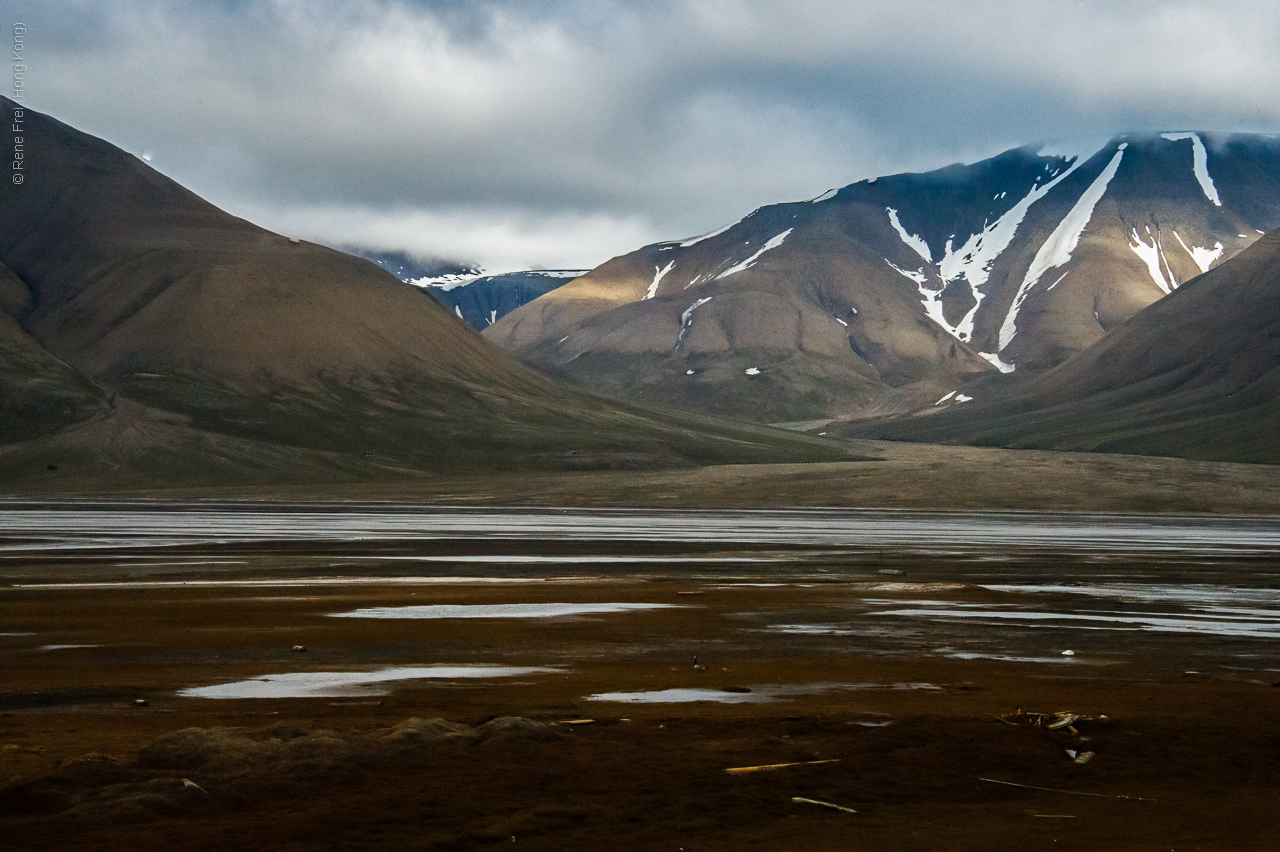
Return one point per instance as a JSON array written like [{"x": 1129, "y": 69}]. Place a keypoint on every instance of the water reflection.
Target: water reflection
[
  {"x": 527, "y": 610},
  {"x": 753, "y": 695},
  {"x": 346, "y": 684},
  {"x": 136, "y": 523}
]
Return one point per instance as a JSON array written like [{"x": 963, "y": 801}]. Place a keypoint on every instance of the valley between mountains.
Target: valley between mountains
[{"x": 1119, "y": 297}]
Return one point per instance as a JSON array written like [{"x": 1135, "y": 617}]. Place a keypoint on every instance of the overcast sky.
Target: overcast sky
[{"x": 559, "y": 134}]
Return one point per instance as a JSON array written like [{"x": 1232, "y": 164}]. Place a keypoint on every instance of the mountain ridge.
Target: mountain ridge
[
  {"x": 884, "y": 295},
  {"x": 1195, "y": 375},
  {"x": 160, "y": 327}
]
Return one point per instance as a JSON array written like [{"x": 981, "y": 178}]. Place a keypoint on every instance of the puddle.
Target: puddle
[
  {"x": 512, "y": 559},
  {"x": 916, "y": 587},
  {"x": 1219, "y": 625},
  {"x": 685, "y": 696},
  {"x": 814, "y": 629},
  {"x": 540, "y": 610},
  {"x": 1191, "y": 594},
  {"x": 303, "y": 581},
  {"x": 759, "y": 694},
  {"x": 348, "y": 684},
  {"x": 189, "y": 562},
  {"x": 765, "y": 586},
  {"x": 972, "y": 655}
]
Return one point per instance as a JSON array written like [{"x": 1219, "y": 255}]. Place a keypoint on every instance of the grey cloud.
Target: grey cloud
[{"x": 664, "y": 119}]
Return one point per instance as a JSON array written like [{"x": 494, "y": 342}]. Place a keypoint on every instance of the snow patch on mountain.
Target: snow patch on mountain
[
  {"x": 452, "y": 281},
  {"x": 975, "y": 258},
  {"x": 918, "y": 276},
  {"x": 686, "y": 318},
  {"x": 692, "y": 241},
  {"x": 826, "y": 196},
  {"x": 1078, "y": 149},
  {"x": 1204, "y": 257},
  {"x": 994, "y": 359},
  {"x": 448, "y": 282},
  {"x": 1056, "y": 250},
  {"x": 1199, "y": 163},
  {"x": 1056, "y": 283},
  {"x": 914, "y": 241},
  {"x": 1153, "y": 256},
  {"x": 773, "y": 243},
  {"x": 930, "y": 298},
  {"x": 657, "y": 278}
]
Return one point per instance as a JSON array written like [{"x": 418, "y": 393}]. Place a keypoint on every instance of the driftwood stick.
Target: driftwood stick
[
  {"x": 769, "y": 767},
  {"x": 798, "y": 800},
  {"x": 1068, "y": 792}
]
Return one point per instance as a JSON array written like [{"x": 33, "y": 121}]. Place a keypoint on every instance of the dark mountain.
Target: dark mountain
[
  {"x": 889, "y": 294},
  {"x": 38, "y": 392},
  {"x": 483, "y": 300},
  {"x": 408, "y": 268},
  {"x": 1195, "y": 375},
  {"x": 147, "y": 332},
  {"x": 479, "y": 299}
]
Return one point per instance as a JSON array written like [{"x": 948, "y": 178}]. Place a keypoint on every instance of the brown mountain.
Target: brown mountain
[
  {"x": 1195, "y": 375},
  {"x": 139, "y": 319},
  {"x": 889, "y": 294}
]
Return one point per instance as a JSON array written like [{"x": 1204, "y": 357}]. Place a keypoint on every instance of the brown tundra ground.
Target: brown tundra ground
[{"x": 528, "y": 678}]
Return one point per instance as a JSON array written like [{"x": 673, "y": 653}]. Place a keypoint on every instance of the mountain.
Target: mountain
[
  {"x": 38, "y": 392},
  {"x": 1195, "y": 375},
  {"x": 483, "y": 300},
  {"x": 885, "y": 295},
  {"x": 408, "y": 268},
  {"x": 479, "y": 300},
  {"x": 143, "y": 329}
]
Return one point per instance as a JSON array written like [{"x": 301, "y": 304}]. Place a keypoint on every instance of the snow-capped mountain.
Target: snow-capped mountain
[
  {"x": 888, "y": 294},
  {"x": 466, "y": 290},
  {"x": 409, "y": 269},
  {"x": 482, "y": 300},
  {"x": 1196, "y": 374}
]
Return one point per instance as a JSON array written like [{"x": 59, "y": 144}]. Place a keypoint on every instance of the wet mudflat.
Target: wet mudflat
[{"x": 290, "y": 661}]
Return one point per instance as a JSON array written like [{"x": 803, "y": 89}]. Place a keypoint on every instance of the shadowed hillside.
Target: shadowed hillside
[
  {"x": 146, "y": 333},
  {"x": 1195, "y": 375}
]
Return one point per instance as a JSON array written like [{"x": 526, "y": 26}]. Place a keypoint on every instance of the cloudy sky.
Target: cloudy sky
[{"x": 558, "y": 134}]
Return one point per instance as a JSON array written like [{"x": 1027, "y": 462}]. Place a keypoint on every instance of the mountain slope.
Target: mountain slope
[
  {"x": 126, "y": 286},
  {"x": 38, "y": 392},
  {"x": 887, "y": 294},
  {"x": 1195, "y": 375}
]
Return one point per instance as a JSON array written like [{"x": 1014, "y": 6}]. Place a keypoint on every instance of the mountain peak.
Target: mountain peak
[{"x": 888, "y": 293}]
